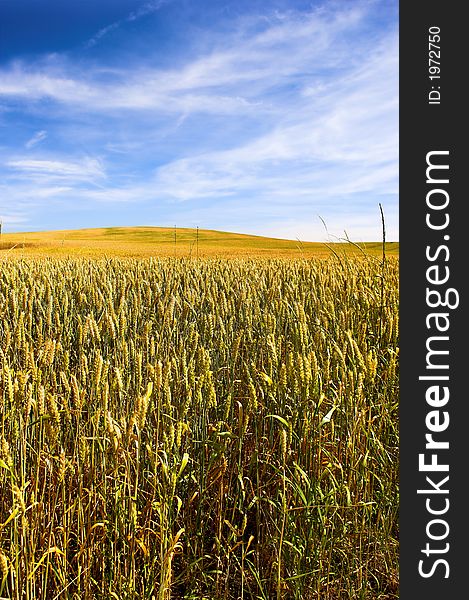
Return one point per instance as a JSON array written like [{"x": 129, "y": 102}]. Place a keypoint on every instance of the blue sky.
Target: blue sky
[{"x": 254, "y": 116}]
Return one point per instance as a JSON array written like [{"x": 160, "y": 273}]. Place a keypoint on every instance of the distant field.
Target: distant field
[{"x": 143, "y": 242}]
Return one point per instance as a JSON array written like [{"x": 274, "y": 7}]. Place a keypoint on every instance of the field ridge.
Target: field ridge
[{"x": 177, "y": 242}]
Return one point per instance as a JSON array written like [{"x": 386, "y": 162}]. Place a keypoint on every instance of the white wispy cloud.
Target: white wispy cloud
[
  {"x": 100, "y": 34},
  {"x": 352, "y": 123},
  {"x": 233, "y": 77},
  {"x": 284, "y": 119},
  {"x": 37, "y": 138},
  {"x": 146, "y": 9},
  {"x": 13, "y": 218},
  {"x": 87, "y": 169}
]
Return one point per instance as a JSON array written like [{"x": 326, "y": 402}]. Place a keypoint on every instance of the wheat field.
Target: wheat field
[
  {"x": 199, "y": 429},
  {"x": 147, "y": 242}
]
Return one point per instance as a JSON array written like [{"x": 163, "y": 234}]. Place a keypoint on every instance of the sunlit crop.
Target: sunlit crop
[{"x": 199, "y": 429}]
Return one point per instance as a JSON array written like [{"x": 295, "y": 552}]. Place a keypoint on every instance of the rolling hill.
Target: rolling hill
[{"x": 181, "y": 243}]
